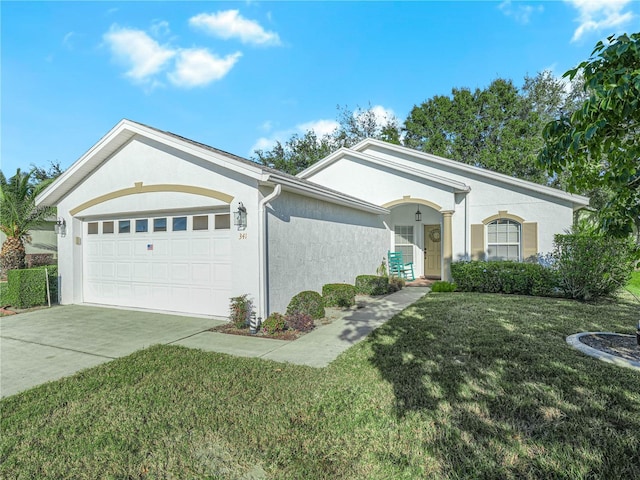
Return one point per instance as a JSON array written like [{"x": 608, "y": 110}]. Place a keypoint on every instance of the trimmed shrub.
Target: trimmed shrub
[
  {"x": 28, "y": 287},
  {"x": 307, "y": 302},
  {"x": 592, "y": 266},
  {"x": 338, "y": 295},
  {"x": 504, "y": 277},
  {"x": 3, "y": 293},
  {"x": 395, "y": 284},
  {"x": 443, "y": 287},
  {"x": 274, "y": 323},
  {"x": 299, "y": 321},
  {"x": 372, "y": 285},
  {"x": 241, "y": 309}
]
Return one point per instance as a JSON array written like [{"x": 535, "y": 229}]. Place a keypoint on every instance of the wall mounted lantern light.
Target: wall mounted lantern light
[
  {"x": 418, "y": 215},
  {"x": 240, "y": 217},
  {"x": 60, "y": 227}
]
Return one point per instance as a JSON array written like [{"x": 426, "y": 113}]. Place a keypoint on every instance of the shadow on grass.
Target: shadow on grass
[{"x": 508, "y": 397}]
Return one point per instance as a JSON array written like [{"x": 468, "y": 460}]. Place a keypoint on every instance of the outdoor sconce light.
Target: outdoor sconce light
[
  {"x": 60, "y": 227},
  {"x": 418, "y": 215},
  {"x": 240, "y": 217}
]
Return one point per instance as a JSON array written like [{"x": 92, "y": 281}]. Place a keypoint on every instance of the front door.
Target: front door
[{"x": 432, "y": 255}]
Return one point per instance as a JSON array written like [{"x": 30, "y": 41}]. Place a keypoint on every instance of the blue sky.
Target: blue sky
[{"x": 239, "y": 75}]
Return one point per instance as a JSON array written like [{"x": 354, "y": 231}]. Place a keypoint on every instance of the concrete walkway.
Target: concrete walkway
[
  {"x": 321, "y": 346},
  {"x": 48, "y": 344}
]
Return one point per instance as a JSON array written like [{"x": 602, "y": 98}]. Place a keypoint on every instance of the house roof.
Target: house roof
[
  {"x": 125, "y": 130},
  {"x": 359, "y": 151}
]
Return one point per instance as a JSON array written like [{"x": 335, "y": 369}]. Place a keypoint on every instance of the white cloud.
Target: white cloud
[
  {"x": 230, "y": 24},
  {"x": 159, "y": 28},
  {"x": 196, "y": 67},
  {"x": 520, "y": 12},
  {"x": 320, "y": 127},
  {"x": 597, "y": 15},
  {"x": 66, "y": 41},
  {"x": 141, "y": 54}
]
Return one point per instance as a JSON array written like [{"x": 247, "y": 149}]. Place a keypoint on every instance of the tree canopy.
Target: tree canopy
[
  {"x": 19, "y": 214},
  {"x": 302, "y": 151},
  {"x": 498, "y": 127},
  {"x": 598, "y": 145}
]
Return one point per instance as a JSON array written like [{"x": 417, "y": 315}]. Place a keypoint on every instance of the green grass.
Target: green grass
[
  {"x": 457, "y": 386},
  {"x": 634, "y": 283}
]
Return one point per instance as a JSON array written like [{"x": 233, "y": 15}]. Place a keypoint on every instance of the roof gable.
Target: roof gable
[
  {"x": 126, "y": 130},
  {"x": 367, "y": 150}
]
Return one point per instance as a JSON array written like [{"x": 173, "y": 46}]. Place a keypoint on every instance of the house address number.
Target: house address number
[{"x": 243, "y": 236}]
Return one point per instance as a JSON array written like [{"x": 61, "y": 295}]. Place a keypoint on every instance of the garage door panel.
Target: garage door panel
[
  {"x": 180, "y": 272},
  {"x": 221, "y": 248},
  {"x": 179, "y": 247},
  {"x": 185, "y": 271},
  {"x": 124, "y": 248},
  {"x": 160, "y": 273},
  {"x": 221, "y": 273},
  {"x": 123, "y": 271},
  {"x": 141, "y": 272},
  {"x": 108, "y": 249}
]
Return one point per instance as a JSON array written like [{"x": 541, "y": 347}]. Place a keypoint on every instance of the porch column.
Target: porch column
[{"x": 447, "y": 244}]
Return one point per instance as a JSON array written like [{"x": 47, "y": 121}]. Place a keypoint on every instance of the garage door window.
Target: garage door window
[
  {"x": 142, "y": 225},
  {"x": 159, "y": 224},
  {"x": 201, "y": 222},
  {"x": 107, "y": 227},
  {"x": 223, "y": 222},
  {"x": 124, "y": 226},
  {"x": 179, "y": 224},
  {"x": 92, "y": 228}
]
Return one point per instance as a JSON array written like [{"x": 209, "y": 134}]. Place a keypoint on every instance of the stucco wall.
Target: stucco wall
[
  {"x": 312, "y": 242},
  {"x": 487, "y": 197},
  {"x": 151, "y": 163},
  {"x": 43, "y": 240}
]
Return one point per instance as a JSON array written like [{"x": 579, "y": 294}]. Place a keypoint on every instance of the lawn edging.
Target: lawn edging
[{"x": 574, "y": 341}]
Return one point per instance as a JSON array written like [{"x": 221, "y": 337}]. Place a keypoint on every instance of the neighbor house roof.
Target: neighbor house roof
[
  {"x": 359, "y": 151},
  {"x": 126, "y": 130}
]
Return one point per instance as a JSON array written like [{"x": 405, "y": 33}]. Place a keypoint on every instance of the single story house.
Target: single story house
[{"x": 154, "y": 220}]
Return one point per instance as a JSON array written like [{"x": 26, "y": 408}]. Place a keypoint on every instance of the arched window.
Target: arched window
[{"x": 504, "y": 240}]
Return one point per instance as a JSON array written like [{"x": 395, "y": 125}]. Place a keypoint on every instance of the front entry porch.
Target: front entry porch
[{"x": 422, "y": 231}]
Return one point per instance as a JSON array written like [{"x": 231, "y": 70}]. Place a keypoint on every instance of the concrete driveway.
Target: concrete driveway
[{"x": 49, "y": 344}]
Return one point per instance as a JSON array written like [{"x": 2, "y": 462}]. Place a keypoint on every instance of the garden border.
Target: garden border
[{"x": 574, "y": 341}]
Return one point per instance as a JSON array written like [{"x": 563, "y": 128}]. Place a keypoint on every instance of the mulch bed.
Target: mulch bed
[
  {"x": 233, "y": 330},
  {"x": 623, "y": 346}
]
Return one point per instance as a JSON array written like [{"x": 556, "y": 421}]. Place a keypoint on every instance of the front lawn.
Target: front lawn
[
  {"x": 634, "y": 283},
  {"x": 457, "y": 386}
]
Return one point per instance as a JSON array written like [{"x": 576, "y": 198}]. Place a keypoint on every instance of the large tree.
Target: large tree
[
  {"x": 598, "y": 146},
  {"x": 18, "y": 214},
  {"x": 498, "y": 127},
  {"x": 302, "y": 151}
]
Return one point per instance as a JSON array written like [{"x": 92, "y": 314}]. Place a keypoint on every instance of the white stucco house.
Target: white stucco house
[{"x": 151, "y": 221}]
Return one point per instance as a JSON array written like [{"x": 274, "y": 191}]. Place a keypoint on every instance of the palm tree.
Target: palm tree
[{"x": 18, "y": 214}]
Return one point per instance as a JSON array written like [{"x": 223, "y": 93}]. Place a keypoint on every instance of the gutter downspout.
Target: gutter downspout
[{"x": 262, "y": 218}]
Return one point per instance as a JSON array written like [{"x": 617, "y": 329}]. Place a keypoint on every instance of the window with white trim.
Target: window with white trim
[
  {"x": 504, "y": 240},
  {"x": 404, "y": 242}
]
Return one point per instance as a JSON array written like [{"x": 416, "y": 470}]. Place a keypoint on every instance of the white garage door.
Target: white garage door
[{"x": 176, "y": 263}]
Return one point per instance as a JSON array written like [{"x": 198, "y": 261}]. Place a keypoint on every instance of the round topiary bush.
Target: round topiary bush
[
  {"x": 274, "y": 323},
  {"x": 339, "y": 295},
  {"x": 307, "y": 302}
]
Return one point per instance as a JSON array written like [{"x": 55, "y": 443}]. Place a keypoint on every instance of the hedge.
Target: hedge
[
  {"x": 307, "y": 303},
  {"x": 504, "y": 277},
  {"x": 338, "y": 295},
  {"x": 27, "y": 288},
  {"x": 372, "y": 285}
]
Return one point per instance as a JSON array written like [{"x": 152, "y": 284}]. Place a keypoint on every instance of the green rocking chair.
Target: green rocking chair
[{"x": 397, "y": 267}]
